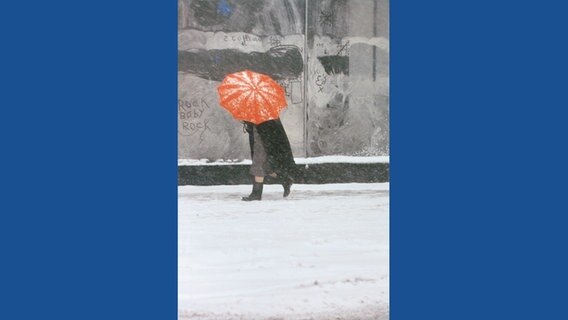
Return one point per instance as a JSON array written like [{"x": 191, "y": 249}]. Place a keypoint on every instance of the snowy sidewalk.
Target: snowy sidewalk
[{"x": 320, "y": 254}]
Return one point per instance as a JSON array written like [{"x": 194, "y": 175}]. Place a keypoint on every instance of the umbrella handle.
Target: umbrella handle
[{"x": 247, "y": 128}]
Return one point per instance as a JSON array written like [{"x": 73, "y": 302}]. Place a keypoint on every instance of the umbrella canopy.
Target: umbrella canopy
[{"x": 251, "y": 96}]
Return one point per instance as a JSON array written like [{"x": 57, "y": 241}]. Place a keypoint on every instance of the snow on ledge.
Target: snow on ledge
[{"x": 314, "y": 160}]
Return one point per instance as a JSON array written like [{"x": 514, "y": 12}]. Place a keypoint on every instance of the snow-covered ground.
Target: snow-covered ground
[
  {"x": 308, "y": 161},
  {"x": 322, "y": 253}
]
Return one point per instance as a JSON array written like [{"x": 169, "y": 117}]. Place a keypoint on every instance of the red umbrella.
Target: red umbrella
[{"x": 251, "y": 96}]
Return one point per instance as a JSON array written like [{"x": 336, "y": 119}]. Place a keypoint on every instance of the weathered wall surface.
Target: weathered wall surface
[
  {"x": 217, "y": 37},
  {"x": 348, "y": 86},
  {"x": 337, "y": 101}
]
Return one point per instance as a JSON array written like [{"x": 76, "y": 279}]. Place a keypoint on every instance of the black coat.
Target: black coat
[{"x": 276, "y": 145}]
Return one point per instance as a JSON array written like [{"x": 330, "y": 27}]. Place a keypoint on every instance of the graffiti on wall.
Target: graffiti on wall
[
  {"x": 334, "y": 71},
  {"x": 219, "y": 37},
  {"x": 282, "y": 62},
  {"x": 191, "y": 120},
  {"x": 347, "y": 101},
  {"x": 337, "y": 63},
  {"x": 293, "y": 90}
]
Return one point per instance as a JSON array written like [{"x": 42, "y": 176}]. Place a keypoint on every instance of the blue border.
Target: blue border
[
  {"x": 89, "y": 160},
  {"x": 478, "y": 168}
]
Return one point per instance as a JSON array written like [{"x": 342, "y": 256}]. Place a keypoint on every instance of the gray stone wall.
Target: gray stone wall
[{"x": 334, "y": 70}]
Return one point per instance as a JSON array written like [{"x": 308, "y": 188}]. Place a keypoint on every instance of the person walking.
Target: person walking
[
  {"x": 257, "y": 100},
  {"x": 271, "y": 155}
]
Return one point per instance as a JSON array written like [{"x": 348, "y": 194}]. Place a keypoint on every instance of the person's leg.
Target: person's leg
[
  {"x": 259, "y": 168},
  {"x": 285, "y": 181},
  {"x": 287, "y": 185},
  {"x": 257, "y": 187}
]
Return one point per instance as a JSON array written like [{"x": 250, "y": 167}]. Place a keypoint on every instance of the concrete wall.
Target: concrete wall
[{"x": 334, "y": 71}]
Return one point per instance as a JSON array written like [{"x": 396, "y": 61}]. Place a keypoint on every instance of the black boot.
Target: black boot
[
  {"x": 287, "y": 184},
  {"x": 256, "y": 192}
]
